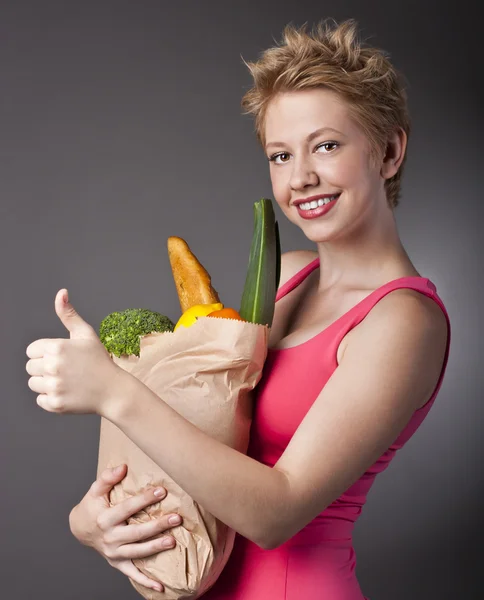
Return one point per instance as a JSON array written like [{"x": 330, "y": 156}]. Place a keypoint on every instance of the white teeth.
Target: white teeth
[{"x": 316, "y": 203}]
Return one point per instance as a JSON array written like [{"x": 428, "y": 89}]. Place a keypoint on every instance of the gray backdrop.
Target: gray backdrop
[{"x": 120, "y": 125}]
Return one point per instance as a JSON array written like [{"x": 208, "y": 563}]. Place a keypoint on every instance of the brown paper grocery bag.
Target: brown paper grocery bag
[{"x": 206, "y": 373}]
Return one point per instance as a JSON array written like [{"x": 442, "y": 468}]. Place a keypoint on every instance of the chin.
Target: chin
[{"x": 319, "y": 239}]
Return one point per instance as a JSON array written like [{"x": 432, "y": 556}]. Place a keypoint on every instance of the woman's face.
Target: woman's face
[{"x": 316, "y": 149}]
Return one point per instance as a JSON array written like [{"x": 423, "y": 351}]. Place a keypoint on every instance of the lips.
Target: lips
[
  {"x": 300, "y": 201},
  {"x": 319, "y": 211}
]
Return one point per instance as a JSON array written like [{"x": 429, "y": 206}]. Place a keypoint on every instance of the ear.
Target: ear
[{"x": 394, "y": 154}]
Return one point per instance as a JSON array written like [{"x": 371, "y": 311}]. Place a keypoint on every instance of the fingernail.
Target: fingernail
[
  {"x": 159, "y": 492},
  {"x": 174, "y": 520},
  {"x": 117, "y": 470},
  {"x": 168, "y": 542}
]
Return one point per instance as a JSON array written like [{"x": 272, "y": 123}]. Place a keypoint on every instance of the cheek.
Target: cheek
[
  {"x": 280, "y": 192},
  {"x": 344, "y": 174},
  {"x": 280, "y": 187}
]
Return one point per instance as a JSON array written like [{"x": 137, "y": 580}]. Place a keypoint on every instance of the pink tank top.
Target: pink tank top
[
  {"x": 319, "y": 562},
  {"x": 290, "y": 384}
]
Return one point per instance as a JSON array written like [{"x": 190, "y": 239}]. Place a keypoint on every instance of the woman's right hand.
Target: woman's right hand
[{"x": 103, "y": 527}]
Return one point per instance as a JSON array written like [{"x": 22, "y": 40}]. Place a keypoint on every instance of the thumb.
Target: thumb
[
  {"x": 72, "y": 321},
  {"x": 107, "y": 480}
]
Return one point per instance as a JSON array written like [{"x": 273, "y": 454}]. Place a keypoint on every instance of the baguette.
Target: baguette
[{"x": 193, "y": 283}]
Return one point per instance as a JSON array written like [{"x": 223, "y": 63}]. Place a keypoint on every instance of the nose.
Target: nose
[{"x": 303, "y": 174}]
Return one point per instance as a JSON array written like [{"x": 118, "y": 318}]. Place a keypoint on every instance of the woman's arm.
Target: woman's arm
[
  {"x": 238, "y": 490},
  {"x": 389, "y": 368}
]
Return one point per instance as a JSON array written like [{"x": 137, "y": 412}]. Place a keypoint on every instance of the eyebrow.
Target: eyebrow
[{"x": 310, "y": 137}]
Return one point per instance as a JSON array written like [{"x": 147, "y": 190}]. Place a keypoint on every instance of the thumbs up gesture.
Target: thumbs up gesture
[{"x": 74, "y": 375}]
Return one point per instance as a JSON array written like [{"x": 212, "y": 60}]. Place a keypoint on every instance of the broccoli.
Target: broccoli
[{"x": 120, "y": 331}]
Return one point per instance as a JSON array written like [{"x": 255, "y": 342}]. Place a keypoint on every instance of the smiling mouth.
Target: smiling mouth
[{"x": 312, "y": 204}]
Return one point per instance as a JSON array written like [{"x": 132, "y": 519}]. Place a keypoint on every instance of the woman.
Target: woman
[{"x": 358, "y": 347}]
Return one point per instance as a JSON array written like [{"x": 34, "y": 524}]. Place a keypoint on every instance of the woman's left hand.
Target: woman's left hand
[{"x": 75, "y": 375}]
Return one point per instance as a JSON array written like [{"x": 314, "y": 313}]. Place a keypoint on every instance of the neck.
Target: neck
[{"x": 367, "y": 255}]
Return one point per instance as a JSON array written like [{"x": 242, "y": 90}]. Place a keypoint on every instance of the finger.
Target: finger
[
  {"x": 40, "y": 347},
  {"x": 34, "y": 367},
  {"x": 127, "y": 508},
  {"x": 45, "y": 402},
  {"x": 107, "y": 480},
  {"x": 39, "y": 385},
  {"x": 129, "y": 534},
  {"x": 128, "y": 568},
  {"x": 71, "y": 319},
  {"x": 144, "y": 549},
  {"x": 36, "y": 349}
]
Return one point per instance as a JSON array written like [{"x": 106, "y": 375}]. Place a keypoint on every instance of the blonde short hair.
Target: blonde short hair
[{"x": 333, "y": 57}]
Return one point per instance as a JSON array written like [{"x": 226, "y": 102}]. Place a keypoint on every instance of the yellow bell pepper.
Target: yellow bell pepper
[{"x": 190, "y": 316}]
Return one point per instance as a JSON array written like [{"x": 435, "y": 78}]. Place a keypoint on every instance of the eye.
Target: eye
[
  {"x": 326, "y": 144},
  {"x": 274, "y": 157}
]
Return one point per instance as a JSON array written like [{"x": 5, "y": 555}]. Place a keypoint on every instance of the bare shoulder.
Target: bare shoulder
[
  {"x": 412, "y": 310},
  {"x": 293, "y": 261},
  {"x": 415, "y": 324}
]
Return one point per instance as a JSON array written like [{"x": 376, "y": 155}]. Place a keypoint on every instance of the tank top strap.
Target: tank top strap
[
  {"x": 296, "y": 279},
  {"x": 419, "y": 284}
]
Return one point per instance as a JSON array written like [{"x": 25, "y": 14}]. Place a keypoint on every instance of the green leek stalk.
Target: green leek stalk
[{"x": 264, "y": 268}]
